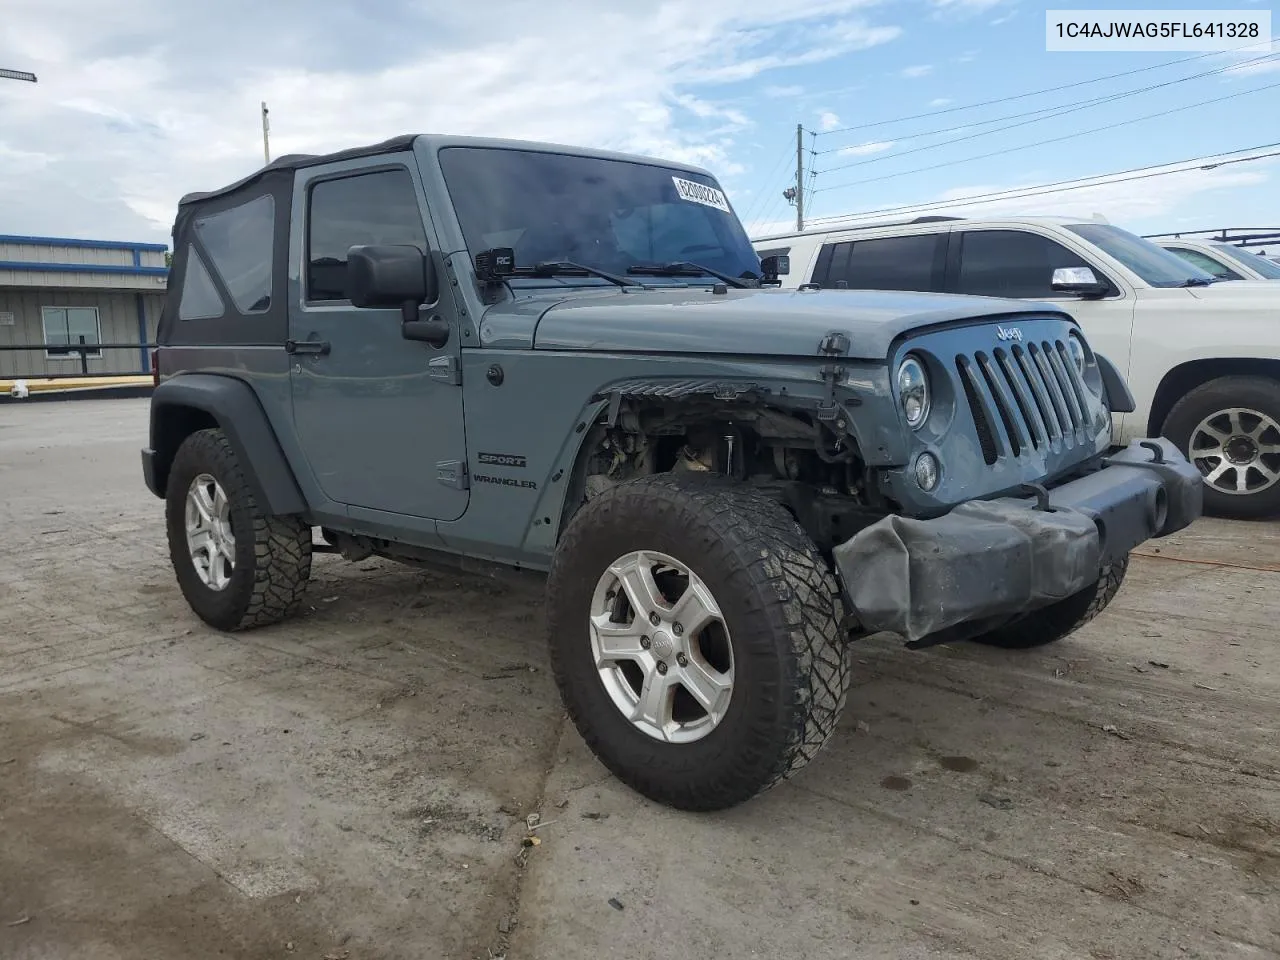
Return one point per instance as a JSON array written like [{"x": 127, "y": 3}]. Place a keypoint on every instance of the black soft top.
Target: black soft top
[{"x": 293, "y": 161}]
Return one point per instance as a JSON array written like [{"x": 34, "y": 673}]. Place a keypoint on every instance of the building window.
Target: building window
[{"x": 67, "y": 325}]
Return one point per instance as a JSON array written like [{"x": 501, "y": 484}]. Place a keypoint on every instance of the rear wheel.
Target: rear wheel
[
  {"x": 1051, "y": 623},
  {"x": 237, "y": 566},
  {"x": 693, "y": 633},
  {"x": 1230, "y": 429}
]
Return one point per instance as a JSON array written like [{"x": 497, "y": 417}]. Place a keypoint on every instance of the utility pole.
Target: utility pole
[
  {"x": 17, "y": 75},
  {"x": 266, "y": 134},
  {"x": 799, "y": 177}
]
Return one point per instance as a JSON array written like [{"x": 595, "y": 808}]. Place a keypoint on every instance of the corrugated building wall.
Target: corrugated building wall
[{"x": 56, "y": 291}]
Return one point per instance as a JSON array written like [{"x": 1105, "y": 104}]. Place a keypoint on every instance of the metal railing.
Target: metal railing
[{"x": 86, "y": 351}]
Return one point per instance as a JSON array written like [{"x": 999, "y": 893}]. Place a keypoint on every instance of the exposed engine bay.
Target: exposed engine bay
[{"x": 816, "y": 472}]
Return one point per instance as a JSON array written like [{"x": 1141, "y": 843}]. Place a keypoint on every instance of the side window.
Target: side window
[
  {"x": 1011, "y": 263},
  {"x": 1206, "y": 263},
  {"x": 883, "y": 263},
  {"x": 239, "y": 244},
  {"x": 369, "y": 208},
  {"x": 200, "y": 300}
]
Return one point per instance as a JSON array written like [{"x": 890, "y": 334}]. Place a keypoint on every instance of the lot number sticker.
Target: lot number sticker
[{"x": 701, "y": 193}]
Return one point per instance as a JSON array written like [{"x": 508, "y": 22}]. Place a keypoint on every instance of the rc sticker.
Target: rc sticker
[{"x": 701, "y": 193}]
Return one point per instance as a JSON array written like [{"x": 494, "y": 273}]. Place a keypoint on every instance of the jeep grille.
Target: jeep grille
[{"x": 1025, "y": 397}]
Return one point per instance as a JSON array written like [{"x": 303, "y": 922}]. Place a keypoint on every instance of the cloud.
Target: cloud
[
  {"x": 966, "y": 6},
  {"x": 794, "y": 90},
  {"x": 967, "y": 57},
  {"x": 866, "y": 149},
  {"x": 920, "y": 70},
  {"x": 1004, "y": 18},
  {"x": 828, "y": 121},
  {"x": 940, "y": 101},
  {"x": 145, "y": 100}
]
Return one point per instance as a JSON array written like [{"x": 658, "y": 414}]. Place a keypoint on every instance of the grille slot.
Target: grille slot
[
  {"x": 1029, "y": 397},
  {"x": 1003, "y": 402},
  {"x": 969, "y": 381}
]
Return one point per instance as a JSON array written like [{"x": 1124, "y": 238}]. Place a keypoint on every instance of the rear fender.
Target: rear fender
[{"x": 189, "y": 402}]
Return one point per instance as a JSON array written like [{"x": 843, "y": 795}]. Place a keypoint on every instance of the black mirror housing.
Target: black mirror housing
[{"x": 390, "y": 276}]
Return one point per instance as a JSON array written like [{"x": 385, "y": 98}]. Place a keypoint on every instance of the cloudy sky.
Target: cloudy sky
[{"x": 139, "y": 101}]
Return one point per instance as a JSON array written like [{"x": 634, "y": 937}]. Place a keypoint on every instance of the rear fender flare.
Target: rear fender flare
[{"x": 235, "y": 408}]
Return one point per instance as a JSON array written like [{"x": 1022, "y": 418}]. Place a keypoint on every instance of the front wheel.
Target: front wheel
[
  {"x": 1230, "y": 429},
  {"x": 1057, "y": 620},
  {"x": 693, "y": 631}
]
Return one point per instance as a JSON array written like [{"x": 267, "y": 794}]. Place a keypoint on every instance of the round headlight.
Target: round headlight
[
  {"x": 913, "y": 391},
  {"x": 1076, "y": 348}
]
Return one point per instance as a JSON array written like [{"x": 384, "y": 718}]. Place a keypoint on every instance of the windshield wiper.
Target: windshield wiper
[
  {"x": 568, "y": 268},
  {"x": 1195, "y": 282},
  {"x": 684, "y": 268}
]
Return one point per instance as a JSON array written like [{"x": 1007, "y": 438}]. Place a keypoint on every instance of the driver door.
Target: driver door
[{"x": 379, "y": 417}]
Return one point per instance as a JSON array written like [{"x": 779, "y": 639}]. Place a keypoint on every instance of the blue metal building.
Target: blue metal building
[{"x": 55, "y": 291}]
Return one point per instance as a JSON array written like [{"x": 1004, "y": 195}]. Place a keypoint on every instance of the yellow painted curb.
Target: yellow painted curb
[{"x": 64, "y": 384}]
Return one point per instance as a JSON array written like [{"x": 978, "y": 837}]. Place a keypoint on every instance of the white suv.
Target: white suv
[
  {"x": 1201, "y": 357},
  {"x": 1224, "y": 260}
]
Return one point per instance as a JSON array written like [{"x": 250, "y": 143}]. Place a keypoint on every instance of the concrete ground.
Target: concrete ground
[{"x": 354, "y": 785}]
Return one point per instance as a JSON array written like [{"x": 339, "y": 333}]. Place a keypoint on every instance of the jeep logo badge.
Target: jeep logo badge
[{"x": 1008, "y": 333}]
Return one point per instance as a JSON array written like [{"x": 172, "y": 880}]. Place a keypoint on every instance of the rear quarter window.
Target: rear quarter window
[{"x": 238, "y": 242}]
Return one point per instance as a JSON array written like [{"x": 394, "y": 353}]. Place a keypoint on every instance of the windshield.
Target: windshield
[
  {"x": 606, "y": 214},
  {"x": 1247, "y": 258},
  {"x": 1155, "y": 265}
]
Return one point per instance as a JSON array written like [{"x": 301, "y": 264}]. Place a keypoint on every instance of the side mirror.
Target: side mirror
[
  {"x": 775, "y": 266},
  {"x": 1078, "y": 280},
  {"x": 391, "y": 276}
]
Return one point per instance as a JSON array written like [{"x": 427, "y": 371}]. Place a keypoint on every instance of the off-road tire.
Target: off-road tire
[
  {"x": 782, "y": 610},
  {"x": 1256, "y": 393},
  {"x": 1054, "y": 622},
  {"x": 272, "y": 554}
]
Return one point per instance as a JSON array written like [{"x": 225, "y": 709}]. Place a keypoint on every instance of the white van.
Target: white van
[{"x": 1202, "y": 357}]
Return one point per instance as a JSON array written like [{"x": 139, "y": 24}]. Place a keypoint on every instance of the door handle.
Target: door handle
[{"x": 320, "y": 347}]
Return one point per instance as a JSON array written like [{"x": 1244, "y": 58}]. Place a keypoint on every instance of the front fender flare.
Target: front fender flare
[{"x": 1118, "y": 394}]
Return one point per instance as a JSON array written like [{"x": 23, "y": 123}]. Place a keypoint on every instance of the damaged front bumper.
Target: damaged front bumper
[{"x": 989, "y": 560}]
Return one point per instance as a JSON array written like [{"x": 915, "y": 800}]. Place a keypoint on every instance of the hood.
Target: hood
[
  {"x": 768, "y": 322},
  {"x": 1263, "y": 293}
]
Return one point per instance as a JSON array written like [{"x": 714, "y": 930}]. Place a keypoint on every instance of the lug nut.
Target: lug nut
[
  {"x": 644, "y": 643},
  {"x": 653, "y": 618},
  {"x": 677, "y": 628},
  {"x": 682, "y": 659},
  {"x": 662, "y": 667}
]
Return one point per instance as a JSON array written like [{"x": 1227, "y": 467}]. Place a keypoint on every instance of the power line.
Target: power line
[
  {"x": 762, "y": 196},
  {"x": 1041, "y": 143},
  {"x": 1048, "y": 114},
  {"x": 1034, "y": 93},
  {"x": 1064, "y": 186}
]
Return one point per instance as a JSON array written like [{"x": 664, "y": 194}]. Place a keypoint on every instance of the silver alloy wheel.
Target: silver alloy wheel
[
  {"x": 1237, "y": 450},
  {"x": 209, "y": 538},
  {"x": 661, "y": 647}
]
